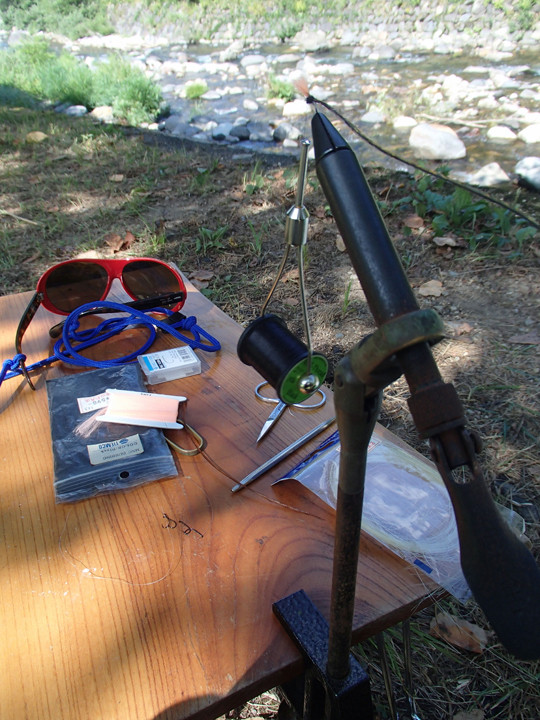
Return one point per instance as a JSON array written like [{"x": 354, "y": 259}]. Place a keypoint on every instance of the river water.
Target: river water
[{"x": 469, "y": 93}]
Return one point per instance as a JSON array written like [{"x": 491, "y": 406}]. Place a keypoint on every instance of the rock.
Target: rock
[
  {"x": 232, "y": 52},
  {"x": 311, "y": 41},
  {"x": 373, "y": 117},
  {"x": 501, "y": 133},
  {"x": 260, "y": 132},
  {"x": 240, "y": 131},
  {"x": 76, "y": 111},
  {"x": 342, "y": 69},
  {"x": 286, "y": 131},
  {"x": 404, "y": 122},
  {"x": 436, "y": 142},
  {"x": 530, "y": 134},
  {"x": 382, "y": 52},
  {"x": 211, "y": 95},
  {"x": 528, "y": 171},
  {"x": 488, "y": 176},
  {"x": 36, "y": 136},
  {"x": 249, "y": 104},
  {"x": 296, "y": 108},
  {"x": 222, "y": 131},
  {"x": 248, "y": 60},
  {"x": 103, "y": 113},
  {"x": 178, "y": 127}
]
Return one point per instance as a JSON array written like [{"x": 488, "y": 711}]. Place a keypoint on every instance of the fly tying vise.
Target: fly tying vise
[{"x": 285, "y": 362}]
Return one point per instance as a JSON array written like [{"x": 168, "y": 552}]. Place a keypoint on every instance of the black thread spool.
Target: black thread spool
[{"x": 269, "y": 347}]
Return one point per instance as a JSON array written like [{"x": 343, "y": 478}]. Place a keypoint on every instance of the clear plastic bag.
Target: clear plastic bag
[
  {"x": 406, "y": 505},
  {"x": 105, "y": 457}
]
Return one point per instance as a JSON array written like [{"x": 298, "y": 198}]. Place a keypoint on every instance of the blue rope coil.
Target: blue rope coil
[{"x": 74, "y": 340}]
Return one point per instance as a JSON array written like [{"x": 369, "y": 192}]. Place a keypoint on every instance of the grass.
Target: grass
[
  {"x": 83, "y": 181},
  {"x": 32, "y": 73}
]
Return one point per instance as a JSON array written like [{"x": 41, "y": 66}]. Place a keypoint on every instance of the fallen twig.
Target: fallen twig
[{"x": 18, "y": 217}]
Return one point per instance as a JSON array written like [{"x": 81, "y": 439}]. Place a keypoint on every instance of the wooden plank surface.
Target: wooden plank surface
[{"x": 108, "y": 613}]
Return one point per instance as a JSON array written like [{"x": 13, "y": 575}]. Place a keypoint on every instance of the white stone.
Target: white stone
[
  {"x": 311, "y": 41},
  {"x": 436, "y": 142},
  {"x": 296, "y": 107},
  {"x": 76, "y": 110},
  {"x": 530, "y": 134},
  {"x": 489, "y": 175},
  {"x": 104, "y": 113},
  {"x": 256, "y": 69},
  {"x": 501, "y": 133},
  {"x": 287, "y": 58},
  {"x": 249, "y": 104},
  {"x": 531, "y": 118},
  {"x": 211, "y": 95},
  {"x": 341, "y": 69},
  {"x": 248, "y": 60},
  {"x": 222, "y": 131},
  {"x": 373, "y": 117},
  {"x": 404, "y": 122},
  {"x": 529, "y": 170}
]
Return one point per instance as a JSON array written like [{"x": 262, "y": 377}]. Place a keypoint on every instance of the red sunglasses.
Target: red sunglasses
[{"x": 68, "y": 285}]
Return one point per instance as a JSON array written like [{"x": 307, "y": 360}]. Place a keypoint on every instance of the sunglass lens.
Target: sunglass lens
[
  {"x": 146, "y": 279},
  {"x": 76, "y": 283}
]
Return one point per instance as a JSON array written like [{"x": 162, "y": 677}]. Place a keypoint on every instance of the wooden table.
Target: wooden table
[{"x": 106, "y": 613}]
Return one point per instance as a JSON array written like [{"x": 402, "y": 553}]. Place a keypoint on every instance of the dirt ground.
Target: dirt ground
[{"x": 220, "y": 215}]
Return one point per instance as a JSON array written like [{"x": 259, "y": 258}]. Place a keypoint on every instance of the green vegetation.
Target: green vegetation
[
  {"x": 73, "y": 18},
  {"x": 478, "y": 221},
  {"x": 208, "y": 239},
  {"x": 32, "y": 73},
  {"x": 200, "y": 19},
  {"x": 254, "y": 180},
  {"x": 195, "y": 89},
  {"x": 280, "y": 88}
]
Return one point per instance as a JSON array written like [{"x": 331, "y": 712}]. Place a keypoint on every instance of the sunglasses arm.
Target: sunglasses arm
[
  {"x": 26, "y": 319},
  {"x": 143, "y": 305}
]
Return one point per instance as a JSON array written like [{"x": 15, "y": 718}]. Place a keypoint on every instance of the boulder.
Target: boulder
[
  {"x": 528, "y": 171},
  {"x": 431, "y": 141}
]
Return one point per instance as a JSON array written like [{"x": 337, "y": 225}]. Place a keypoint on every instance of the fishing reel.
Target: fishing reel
[{"x": 289, "y": 365}]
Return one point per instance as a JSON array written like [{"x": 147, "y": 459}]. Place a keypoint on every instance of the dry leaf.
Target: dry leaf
[
  {"x": 431, "y": 288},
  {"x": 340, "y": 245},
  {"x": 445, "y": 240},
  {"x": 36, "y": 136},
  {"x": 116, "y": 178},
  {"x": 201, "y": 276},
  {"x": 459, "y": 327},
  {"x": 114, "y": 241},
  {"x": 413, "y": 221},
  {"x": 460, "y": 633},
  {"x": 129, "y": 239},
  {"x": 530, "y": 338},
  {"x": 199, "y": 284},
  {"x": 291, "y": 301}
]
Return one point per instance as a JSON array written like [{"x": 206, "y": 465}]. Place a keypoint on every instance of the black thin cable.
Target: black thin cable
[{"x": 310, "y": 99}]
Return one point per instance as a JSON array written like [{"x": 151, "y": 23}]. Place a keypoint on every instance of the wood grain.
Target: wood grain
[{"x": 110, "y": 611}]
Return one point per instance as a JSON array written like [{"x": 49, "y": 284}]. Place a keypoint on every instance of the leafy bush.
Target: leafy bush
[
  {"x": 280, "y": 88},
  {"x": 127, "y": 90},
  {"x": 73, "y": 18},
  {"x": 32, "y": 70}
]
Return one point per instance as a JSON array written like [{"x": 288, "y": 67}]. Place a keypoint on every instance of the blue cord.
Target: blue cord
[{"x": 74, "y": 340}]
